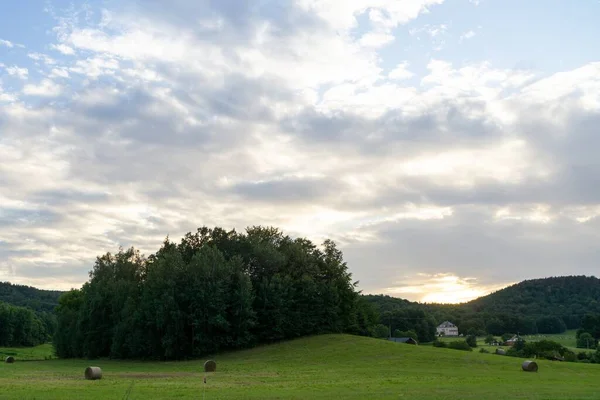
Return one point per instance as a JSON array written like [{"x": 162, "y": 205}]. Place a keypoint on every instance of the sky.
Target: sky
[{"x": 449, "y": 147}]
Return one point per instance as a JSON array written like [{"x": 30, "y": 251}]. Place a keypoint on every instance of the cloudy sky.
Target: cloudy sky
[{"x": 450, "y": 147}]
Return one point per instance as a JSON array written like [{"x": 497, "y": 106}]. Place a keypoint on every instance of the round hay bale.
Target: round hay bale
[
  {"x": 9, "y": 360},
  {"x": 501, "y": 352},
  {"x": 530, "y": 366},
  {"x": 93, "y": 373},
  {"x": 210, "y": 366}
]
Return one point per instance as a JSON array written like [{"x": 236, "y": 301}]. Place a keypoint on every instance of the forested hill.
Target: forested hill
[
  {"x": 27, "y": 296},
  {"x": 545, "y": 305},
  {"x": 569, "y": 297}
]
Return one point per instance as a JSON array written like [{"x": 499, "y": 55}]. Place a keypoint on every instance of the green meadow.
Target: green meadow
[{"x": 320, "y": 367}]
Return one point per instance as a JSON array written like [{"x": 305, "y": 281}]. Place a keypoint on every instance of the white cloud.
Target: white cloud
[
  {"x": 42, "y": 57},
  {"x": 64, "y": 49},
  {"x": 401, "y": 72},
  {"x": 6, "y": 43},
  {"x": 46, "y": 88},
  {"x": 183, "y": 115},
  {"x": 467, "y": 35},
  {"x": 21, "y": 73}
]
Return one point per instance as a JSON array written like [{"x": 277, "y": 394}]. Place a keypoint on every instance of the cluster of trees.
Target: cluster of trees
[
  {"x": 21, "y": 326},
  {"x": 589, "y": 333},
  {"x": 215, "y": 290}
]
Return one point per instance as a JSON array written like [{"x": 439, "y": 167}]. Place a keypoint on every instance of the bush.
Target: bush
[
  {"x": 483, "y": 350},
  {"x": 381, "y": 331},
  {"x": 489, "y": 339},
  {"x": 586, "y": 341},
  {"x": 439, "y": 343},
  {"x": 471, "y": 340},
  {"x": 410, "y": 334},
  {"x": 460, "y": 345}
]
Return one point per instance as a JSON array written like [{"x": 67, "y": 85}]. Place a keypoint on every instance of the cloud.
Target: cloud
[
  {"x": 21, "y": 73},
  {"x": 467, "y": 35},
  {"x": 46, "y": 88},
  {"x": 6, "y": 43},
  {"x": 64, "y": 49},
  {"x": 443, "y": 175}
]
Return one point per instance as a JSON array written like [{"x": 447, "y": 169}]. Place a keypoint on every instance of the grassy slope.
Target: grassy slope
[{"x": 339, "y": 366}]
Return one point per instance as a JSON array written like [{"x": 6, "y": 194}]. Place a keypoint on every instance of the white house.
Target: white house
[{"x": 447, "y": 328}]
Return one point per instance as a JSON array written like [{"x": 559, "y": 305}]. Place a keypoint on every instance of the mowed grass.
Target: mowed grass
[
  {"x": 321, "y": 367},
  {"x": 43, "y": 352}
]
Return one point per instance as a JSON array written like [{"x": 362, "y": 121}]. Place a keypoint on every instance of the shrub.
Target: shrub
[
  {"x": 460, "y": 345},
  {"x": 381, "y": 331},
  {"x": 489, "y": 339},
  {"x": 471, "y": 340},
  {"x": 586, "y": 341},
  {"x": 439, "y": 343},
  {"x": 483, "y": 350}
]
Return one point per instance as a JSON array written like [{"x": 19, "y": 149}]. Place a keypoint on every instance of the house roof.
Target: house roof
[
  {"x": 447, "y": 324},
  {"x": 403, "y": 339}
]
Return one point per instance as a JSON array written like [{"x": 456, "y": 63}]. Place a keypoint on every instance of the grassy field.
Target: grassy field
[
  {"x": 567, "y": 339},
  {"x": 338, "y": 366},
  {"x": 43, "y": 352}
]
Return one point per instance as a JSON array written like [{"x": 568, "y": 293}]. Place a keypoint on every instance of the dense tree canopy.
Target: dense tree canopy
[
  {"x": 214, "y": 290},
  {"x": 21, "y": 326}
]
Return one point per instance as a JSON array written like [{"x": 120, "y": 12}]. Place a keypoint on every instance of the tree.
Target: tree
[
  {"x": 550, "y": 324},
  {"x": 489, "y": 339},
  {"x": 471, "y": 340},
  {"x": 381, "y": 331},
  {"x": 586, "y": 341}
]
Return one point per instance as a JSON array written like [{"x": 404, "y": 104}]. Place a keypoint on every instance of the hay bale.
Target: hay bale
[
  {"x": 529, "y": 366},
  {"x": 210, "y": 366},
  {"x": 501, "y": 352},
  {"x": 9, "y": 360},
  {"x": 93, "y": 373}
]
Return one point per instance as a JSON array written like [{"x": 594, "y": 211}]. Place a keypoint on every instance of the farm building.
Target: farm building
[
  {"x": 407, "y": 340},
  {"x": 512, "y": 341},
  {"x": 447, "y": 328}
]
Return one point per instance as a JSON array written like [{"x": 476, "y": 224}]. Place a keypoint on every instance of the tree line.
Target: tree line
[
  {"x": 21, "y": 326},
  {"x": 214, "y": 290}
]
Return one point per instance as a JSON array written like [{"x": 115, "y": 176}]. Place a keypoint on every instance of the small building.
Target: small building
[
  {"x": 512, "y": 341},
  {"x": 407, "y": 340},
  {"x": 447, "y": 328}
]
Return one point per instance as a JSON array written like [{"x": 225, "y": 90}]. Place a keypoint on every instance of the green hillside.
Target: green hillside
[
  {"x": 322, "y": 367},
  {"x": 546, "y": 306},
  {"x": 27, "y": 296}
]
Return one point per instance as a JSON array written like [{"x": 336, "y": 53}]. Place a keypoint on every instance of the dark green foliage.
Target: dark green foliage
[
  {"x": 591, "y": 324},
  {"x": 545, "y": 349},
  {"x": 471, "y": 340},
  {"x": 439, "y": 343},
  {"x": 506, "y": 336},
  {"x": 20, "y": 326},
  {"x": 215, "y": 290},
  {"x": 586, "y": 341},
  {"x": 551, "y": 324},
  {"x": 489, "y": 339},
  {"x": 410, "y": 334},
  {"x": 483, "y": 350},
  {"x": 381, "y": 331},
  {"x": 460, "y": 345},
  {"x": 27, "y": 296}
]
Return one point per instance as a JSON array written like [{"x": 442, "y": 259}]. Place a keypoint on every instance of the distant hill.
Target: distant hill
[
  {"x": 547, "y": 305},
  {"x": 564, "y": 296},
  {"x": 27, "y": 296}
]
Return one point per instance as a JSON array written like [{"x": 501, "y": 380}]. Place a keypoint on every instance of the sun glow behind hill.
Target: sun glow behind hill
[{"x": 443, "y": 288}]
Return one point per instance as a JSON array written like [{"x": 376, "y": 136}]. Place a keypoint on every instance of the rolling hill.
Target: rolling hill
[
  {"x": 548, "y": 305},
  {"x": 318, "y": 367}
]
